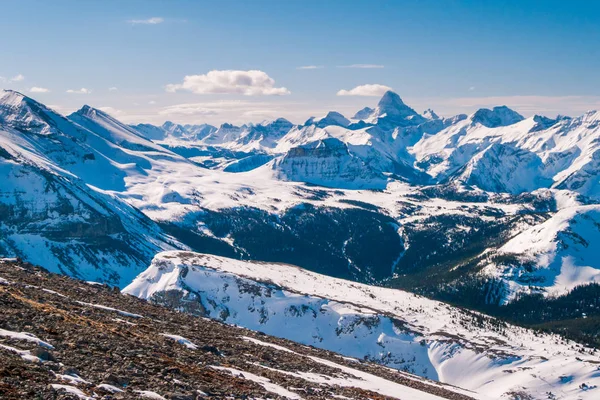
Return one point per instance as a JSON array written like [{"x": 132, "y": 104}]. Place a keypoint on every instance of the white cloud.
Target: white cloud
[
  {"x": 187, "y": 109},
  {"x": 112, "y": 89},
  {"x": 311, "y": 67},
  {"x": 149, "y": 21},
  {"x": 17, "y": 78},
  {"x": 79, "y": 91},
  {"x": 365, "y": 90},
  {"x": 111, "y": 111},
  {"x": 217, "y": 107},
  {"x": 260, "y": 113},
  {"x": 37, "y": 89},
  {"x": 239, "y": 112},
  {"x": 363, "y": 66},
  {"x": 151, "y": 102},
  {"x": 471, "y": 88},
  {"x": 249, "y": 83}
]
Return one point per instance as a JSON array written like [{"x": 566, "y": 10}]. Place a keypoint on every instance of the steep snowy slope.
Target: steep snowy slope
[
  {"x": 41, "y": 130},
  {"x": 187, "y": 132},
  {"x": 555, "y": 256},
  {"x": 52, "y": 218},
  {"x": 112, "y": 130},
  {"x": 150, "y": 131},
  {"x": 388, "y": 326},
  {"x": 363, "y": 113},
  {"x": 252, "y": 137},
  {"x": 49, "y": 214},
  {"x": 504, "y": 168},
  {"x": 550, "y": 153},
  {"x": 450, "y": 149},
  {"x": 333, "y": 118},
  {"x": 263, "y": 136},
  {"x": 93, "y": 145}
]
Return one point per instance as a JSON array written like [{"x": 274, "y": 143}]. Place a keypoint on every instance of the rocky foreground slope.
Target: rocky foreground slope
[{"x": 66, "y": 339}]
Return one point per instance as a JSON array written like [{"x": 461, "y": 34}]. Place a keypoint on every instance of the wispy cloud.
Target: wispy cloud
[
  {"x": 112, "y": 89},
  {"x": 37, "y": 89},
  {"x": 311, "y": 67},
  {"x": 243, "y": 107},
  {"x": 79, "y": 91},
  {"x": 260, "y": 113},
  {"x": 188, "y": 109},
  {"x": 111, "y": 111},
  {"x": 472, "y": 88},
  {"x": 149, "y": 21},
  {"x": 17, "y": 78},
  {"x": 248, "y": 83},
  {"x": 363, "y": 66},
  {"x": 374, "y": 90}
]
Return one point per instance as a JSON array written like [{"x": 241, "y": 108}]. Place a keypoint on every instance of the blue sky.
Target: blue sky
[{"x": 453, "y": 56}]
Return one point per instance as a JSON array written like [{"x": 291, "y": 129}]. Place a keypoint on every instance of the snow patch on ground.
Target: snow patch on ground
[
  {"x": 109, "y": 388},
  {"x": 74, "y": 379},
  {"x": 121, "y": 312},
  {"x": 54, "y": 292},
  {"x": 122, "y": 321},
  {"x": 71, "y": 390},
  {"x": 25, "y": 354},
  {"x": 260, "y": 342},
  {"x": 181, "y": 340},
  {"x": 29, "y": 337},
  {"x": 147, "y": 394},
  {"x": 264, "y": 382}
]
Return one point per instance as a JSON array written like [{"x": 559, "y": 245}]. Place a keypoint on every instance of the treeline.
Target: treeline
[{"x": 575, "y": 315}]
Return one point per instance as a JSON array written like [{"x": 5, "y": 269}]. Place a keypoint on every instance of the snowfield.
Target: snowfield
[{"x": 392, "y": 327}]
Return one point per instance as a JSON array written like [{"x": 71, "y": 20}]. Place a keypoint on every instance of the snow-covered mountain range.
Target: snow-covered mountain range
[
  {"x": 487, "y": 210},
  {"x": 484, "y": 149},
  {"x": 492, "y": 168}
]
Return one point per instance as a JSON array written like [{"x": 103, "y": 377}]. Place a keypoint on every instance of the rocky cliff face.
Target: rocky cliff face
[{"x": 328, "y": 163}]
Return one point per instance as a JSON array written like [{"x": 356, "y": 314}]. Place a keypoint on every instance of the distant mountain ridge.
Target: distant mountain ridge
[{"x": 395, "y": 141}]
